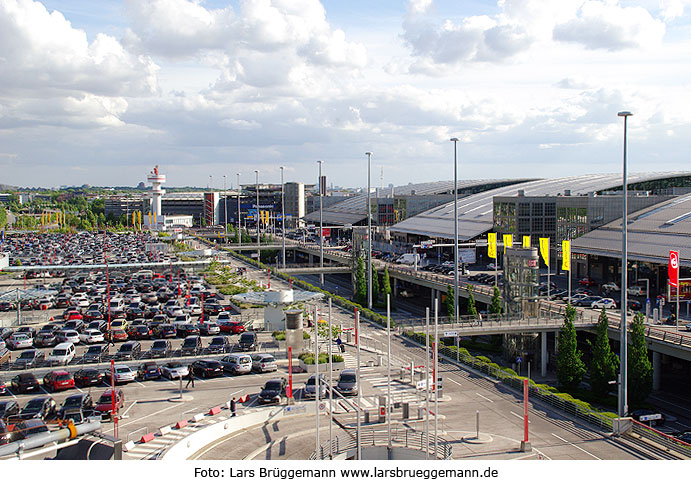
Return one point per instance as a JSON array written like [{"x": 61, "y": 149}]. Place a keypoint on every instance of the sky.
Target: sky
[{"x": 100, "y": 92}]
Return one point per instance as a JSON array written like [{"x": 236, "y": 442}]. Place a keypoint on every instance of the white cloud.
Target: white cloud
[{"x": 606, "y": 25}]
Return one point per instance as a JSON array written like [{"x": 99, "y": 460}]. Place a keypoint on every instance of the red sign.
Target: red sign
[
  {"x": 326, "y": 232},
  {"x": 382, "y": 411},
  {"x": 673, "y": 270},
  {"x": 684, "y": 291}
]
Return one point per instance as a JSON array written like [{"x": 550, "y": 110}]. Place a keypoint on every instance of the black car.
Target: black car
[
  {"x": 95, "y": 353},
  {"x": 148, "y": 370},
  {"x": 207, "y": 368},
  {"x": 38, "y": 408},
  {"x": 129, "y": 351},
  {"x": 26, "y": 382},
  {"x": 212, "y": 309},
  {"x": 219, "y": 344},
  {"x": 87, "y": 377},
  {"x": 82, "y": 403},
  {"x": 29, "y": 358},
  {"x": 272, "y": 391},
  {"x": 45, "y": 338},
  {"x": 5, "y": 306},
  {"x": 347, "y": 382},
  {"x": 191, "y": 346},
  {"x": 165, "y": 331},
  {"x": 248, "y": 341},
  {"x": 587, "y": 301},
  {"x": 160, "y": 348},
  {"x": 23, "y": 429},
  {"x": 9, "y": 409},
  {"x": 139, "y": 332}
]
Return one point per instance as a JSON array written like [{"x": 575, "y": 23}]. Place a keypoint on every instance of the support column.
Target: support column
[
  {"x": 395, "y": 287},
  {"x": 433, "y": 295},
  {"x": 657, "y": 370},
  {"x": 311, "y": 259},
  {"x": 543, "y": 354}
]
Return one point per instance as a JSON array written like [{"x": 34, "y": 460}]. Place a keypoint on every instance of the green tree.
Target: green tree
[
  {"x": 375, "y": 286},
  {"x": 472, "y": 310},
  {"x": 570, "y": 366},
  {"x": 604, "y": 363},
  {"x": 386, "y": 282},
  {"x": 360, "y": 282},
  {"x": 3, "y": 217},
  {"x": 640, "y": 370},
  {"x": 495, "y": 307},
  {"x": 450, "y": 300}
]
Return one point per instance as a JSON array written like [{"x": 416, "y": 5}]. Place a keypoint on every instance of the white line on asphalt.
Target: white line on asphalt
[
  {"x": 684, "y": 425},
  {"x": 128, "y": 409},
  {"x": 149, "y": 415},
  {"x": 45, "y": 391},
  {"x": 540, "y": 453},
  {"x": 140, "y": 384},
  {"x": 451, "y": 380},
  {"x": 483, "y": 397},
  {"x": 576, "y": 446},
  {"x": 518, "y": 416}
]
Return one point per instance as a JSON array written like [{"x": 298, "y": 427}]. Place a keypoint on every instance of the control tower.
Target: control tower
[{"x": 156, "y": 192}]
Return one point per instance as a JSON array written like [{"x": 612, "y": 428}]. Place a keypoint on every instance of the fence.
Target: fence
[
  {"x": 665, "y": 441},
  {"x": 400, "y": 438}
]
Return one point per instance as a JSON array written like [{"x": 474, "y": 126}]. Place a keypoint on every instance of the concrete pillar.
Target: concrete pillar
[
  {"x": 432, "y": 297},
  {"x": 395, "y": 287},
  {"x": 311, "y": 259},
  {"x": 543, "y": 354},
  {"x": 556, "y": 342},
  {"x": 657, "y": 370}
]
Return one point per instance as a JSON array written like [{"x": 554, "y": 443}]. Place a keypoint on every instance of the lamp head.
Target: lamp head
[
  {"x": 368, "y": 153},
  {"x": 624, "y": 114},
  {"x": 454, "y": 139}
]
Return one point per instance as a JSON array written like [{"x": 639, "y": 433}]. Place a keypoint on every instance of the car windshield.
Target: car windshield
[
  {"x": 122, "y": 370},
  {"x": 348, "y": 378},
  {"x": 268, "y": 359},
  {"x": 3, "y": 407},
  {"x": 106, "y": 398},
  {"x": 217, "y": 341},
  {"x": 151, "y": 367},
  {"x": 94, "y": 350},
  {"x": 245, "y": 360},
  {"x": 246, "y": 338},
  {"x": 273, "y": 386},
  {"x": 72, "y": 401},
  {"x": 28, "y": 354},
  {"x": 59, "y": 351},
  {"x": 190, "y": 342},
  {"x": 34, "y": 405},
  {"x": 310, "y": 381},
  {"x": 159, "y": 345},
  {"x": 126, "y": 347}
]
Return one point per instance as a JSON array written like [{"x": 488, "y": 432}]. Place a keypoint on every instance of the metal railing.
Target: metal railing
[
  {"x": 667, "y": 442},
  {"x": 400, "y": 438}
]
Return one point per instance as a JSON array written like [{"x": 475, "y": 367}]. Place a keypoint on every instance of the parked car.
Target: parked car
[
  {"x": 237, "y": 363},
  {"x": 95, "y": 353},
  {"x": 165, "y": 331},
  {"x": 29, "y": 358},
  {"x": 129, "y": 351},
  {"x": 91, "y": 336},
  {"x": 263, "y": 362},
  {"x": 219, "y": 344},
  {"x": 110, "y": 401},
  {"x": 272, "y": 391},
  {"x": 76, "y": 408},
  {"x": 45, "y": 338},
  {"x": 248, "y": 341},
  {"x": 62, "y": 354},
  {"x": 148, "y": 371},
  {"x": 174, "y": 370},
  {"x": 18, "y": 341},
  {"x": 310, "y": 389},
  {"x": 88, "y": 377},
  {"x": 611, "y": 287},
  {"x": 187, "y": 329},
  {"x": 138, "y": 332},
  {"x": 604, "y": 303},
  {"x": 192, "y": 345},
  {"x": 209, "y": 327},
  {"x": 587, "y": 281},
  {"x": 8, "y": 409},
  {"x": 121, "y": 374},
  {"x": 207, "y": 368},
  {"x": 635, "y": 291},
  {"x": 67, "y": 336},
  {"x": 38, "y": 408},
  {"x": 160, "y": 348},
  {"x": 347, "y": 382},
  {"x": 117, "y": 334},
  {"x": 58, "y": 380}
]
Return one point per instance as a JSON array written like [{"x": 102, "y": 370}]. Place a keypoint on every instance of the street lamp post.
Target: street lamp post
[
  {"x": 283, "y": 221},
  {"x": 225, "y": 211},
  {"x": 455, "y": 229},
  {"x": 369, "y": 233},
  {"x": 321, "y": 225},
  {"x": 256, "y": 187},
  {"x": 623, "y": 399}
]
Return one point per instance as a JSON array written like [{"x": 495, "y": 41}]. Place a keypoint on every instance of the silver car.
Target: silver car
[
  {"x": 174, "y": 370},
  {"x": 310, "y": 388}
]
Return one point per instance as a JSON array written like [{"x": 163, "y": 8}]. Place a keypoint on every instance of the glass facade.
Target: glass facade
[{"x": 521, "y": 281}]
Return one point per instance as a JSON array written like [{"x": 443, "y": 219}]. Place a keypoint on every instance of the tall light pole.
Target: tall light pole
[
  {"x": 623, "y": 399},
  {"x": 283, "y": 220},
  {"x": 225, "y": 210},
  {"x": 256, "y": 187},
  {"x": 321, "y": 225},
  {"x": 455, "y": 230},
  {"x": 369, "y": 233},
  {"x": 238, "y": 220}
]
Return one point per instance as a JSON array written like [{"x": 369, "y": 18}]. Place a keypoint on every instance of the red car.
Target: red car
[
  {"x": 105, "y": 402},
  {"x": 73, "y": 315},
  {"x": 58, "y": 380},
  {"x": 586, "y": 281},
  {"x": 234, "y": 327}
]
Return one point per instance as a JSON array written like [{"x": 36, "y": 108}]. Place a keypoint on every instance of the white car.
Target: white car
[
  {"x": 91, "y": 336},
  {"x": 174, "y": 311},
  {"x": 636, "y": 291},
  {"x": 192, "y": 309},
  {"x": 122, "y": 374},
  {"x": 67, "y": 336},
  {"x": 19, "y": 340},
  {"x": 209, "y": 328},
  {"x": 82, "y": 303},
  {"x": 182, "y": 319},
  {"x": 604, "y": 303},
  {"x": 174, "y": 370},
  {"x": 611, "y": 287}
]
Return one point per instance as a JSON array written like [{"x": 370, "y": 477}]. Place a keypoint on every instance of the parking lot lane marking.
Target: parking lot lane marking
[
  {"x": 128, "y": 409},
  {"x": 10, "y": 393},
  {"x": 45, "y": 391},
  {"x": 140, "y": 384},
  {"x": 540, "y": 453},
  {"x": 483, "y": 397},
  {"x": 576, "y": 446},
  {"x": 79, "y": 389},
  {"x": 149, "y": 415},
  {"x": 518, "y": 416},
  {"x": 451, "y": 380}
]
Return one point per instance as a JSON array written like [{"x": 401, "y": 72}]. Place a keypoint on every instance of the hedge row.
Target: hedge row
[{"x": 308, "y": 358}]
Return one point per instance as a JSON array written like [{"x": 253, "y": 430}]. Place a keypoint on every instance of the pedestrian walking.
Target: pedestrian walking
[
  {"x": 190, "y": 379},
  {"x": 232, "y": 407},
  {"x": 339, "y": 342}
]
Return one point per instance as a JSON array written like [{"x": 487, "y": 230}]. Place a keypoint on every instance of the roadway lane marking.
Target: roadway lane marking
[
  {"x": 519, "y": 416},
  {"x": 483, "y": 397},
  {"x": 451, "y": 380},
  {"x": 576, "y": 446},
  {"x": 540, "y": 453}
]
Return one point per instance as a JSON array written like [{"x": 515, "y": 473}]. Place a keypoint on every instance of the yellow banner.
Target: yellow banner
[
  {"x": 149, "y": 218},
  {"x": 508, "y": 241},
  {"x": 134, "y": 218},
  {"x": 544, "y": 250},
  {"x": 566, "y": 255},
  {"x": 526, "y": 241},
  {"x": 139, "y": 217},
  {"x": 492, "y": 245}
]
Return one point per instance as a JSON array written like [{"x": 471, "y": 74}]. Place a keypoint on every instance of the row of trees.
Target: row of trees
[
  {"x": 604, "y": 364},
  {"x": 379, "y": 289},
  {"x": 495, "y": 307}
]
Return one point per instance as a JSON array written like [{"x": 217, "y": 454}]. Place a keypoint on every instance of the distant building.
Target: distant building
[{"x": 294, "y": 204}]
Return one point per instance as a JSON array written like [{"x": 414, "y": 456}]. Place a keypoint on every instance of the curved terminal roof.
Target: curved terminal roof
[
  {"x": 354, "y": 209},
  {"x": 651, "y": 234},
  {"x": 475, "y": 212}
]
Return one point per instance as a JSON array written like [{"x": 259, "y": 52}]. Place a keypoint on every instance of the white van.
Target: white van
[
  {"x": 62, "y": 354},
  {"x": 408, "y": 259},
  {"x": 237, "y": 363},
  {"x": 117, "y": 305}
]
